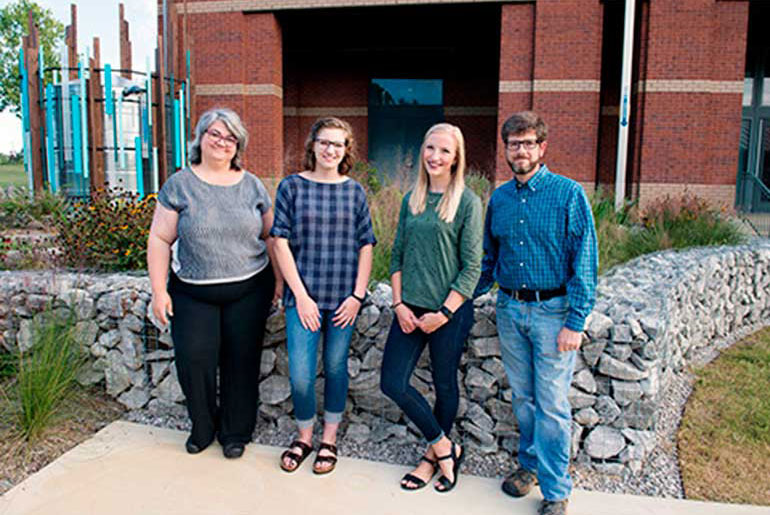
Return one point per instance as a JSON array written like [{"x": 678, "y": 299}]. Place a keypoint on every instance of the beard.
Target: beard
[{"x": 523, "y": 170}]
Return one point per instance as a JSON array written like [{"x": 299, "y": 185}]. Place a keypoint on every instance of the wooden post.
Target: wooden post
[
  {"x": 95, "y": 121},
  {"x": 31, "y": 55},
  {"x": 71, "y": 39},
  {"x": 160, "y": 118},
  {"x": 125, "y": 45}
]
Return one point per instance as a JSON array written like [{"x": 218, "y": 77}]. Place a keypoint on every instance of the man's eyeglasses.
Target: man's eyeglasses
[
  {"x": 325, "y": 143},
  {"x": 526, "y": 144},
  {"x": 229, "y": 141}
]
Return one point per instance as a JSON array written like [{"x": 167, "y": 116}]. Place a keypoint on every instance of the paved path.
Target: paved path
[{"x": 133, "y": 469}]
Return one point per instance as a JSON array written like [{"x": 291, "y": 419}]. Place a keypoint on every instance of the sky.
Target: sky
[{"x": 96, "y": 18}]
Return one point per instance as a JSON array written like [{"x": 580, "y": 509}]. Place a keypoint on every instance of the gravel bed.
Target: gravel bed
[{"x": 659, "y": 477}]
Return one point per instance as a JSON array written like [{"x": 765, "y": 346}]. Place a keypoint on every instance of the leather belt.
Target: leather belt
[{"x": 534, "y": 295}]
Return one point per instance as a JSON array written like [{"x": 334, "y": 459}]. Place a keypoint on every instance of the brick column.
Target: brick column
[
  {"x": 517, "y": 27},
  {"x": 567, "y": 77},
  {"x": 689, "y": 99},
  {"x": 237, "y": 61}
]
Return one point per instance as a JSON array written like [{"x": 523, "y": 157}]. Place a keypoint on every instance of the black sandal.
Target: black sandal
[
  {"x": 305, "y": 450},
  {"x": 420, "y": 483},
  {"x": 444, "y": 485},
  {"x": 325, "y": 459}
]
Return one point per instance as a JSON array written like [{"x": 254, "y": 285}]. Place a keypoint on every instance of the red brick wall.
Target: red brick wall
[
  {"x": 568, "y": 48},
  {"x": 684, "y": 137}
]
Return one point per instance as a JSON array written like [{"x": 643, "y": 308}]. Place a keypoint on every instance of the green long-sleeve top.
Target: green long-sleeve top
[{"x": 435, "y": 257}]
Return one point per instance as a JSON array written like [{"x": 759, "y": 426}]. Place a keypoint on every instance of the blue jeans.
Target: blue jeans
[
  {"x": 402, "y": 351},
  {"x": 303, "y": 352},
  {"x": 540, "y": 378}
]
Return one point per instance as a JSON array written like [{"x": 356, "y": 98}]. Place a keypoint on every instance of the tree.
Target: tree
[{"x": 13, "y": 25}]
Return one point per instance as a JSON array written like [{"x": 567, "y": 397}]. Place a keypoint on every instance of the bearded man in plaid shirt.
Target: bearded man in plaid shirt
[{"x": 540, "y": 247}]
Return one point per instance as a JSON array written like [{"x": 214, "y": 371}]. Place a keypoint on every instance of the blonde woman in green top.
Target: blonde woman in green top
[{"x": 435, "y": 265}]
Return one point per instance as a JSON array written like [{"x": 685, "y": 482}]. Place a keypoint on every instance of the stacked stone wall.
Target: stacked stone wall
[{"x": 651, "y": 315}]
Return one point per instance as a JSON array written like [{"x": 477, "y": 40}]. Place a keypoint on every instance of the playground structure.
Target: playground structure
[{"x": 92, "y": 126}]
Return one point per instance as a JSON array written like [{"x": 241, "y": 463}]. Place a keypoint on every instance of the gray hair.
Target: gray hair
[{"x": 233, "y": 123}]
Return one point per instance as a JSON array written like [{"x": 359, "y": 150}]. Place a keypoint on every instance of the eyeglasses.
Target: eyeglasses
[
  {"x": 336, "y": 145},
  {"x": 229, "y": 141},
  {"x": 526, "y": 144}
]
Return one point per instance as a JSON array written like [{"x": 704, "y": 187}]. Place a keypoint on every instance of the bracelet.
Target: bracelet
[
  {"x": 359, "y": 299},
  {"x": 396, "y": 304},
  {"x": 446, "y": 312}
]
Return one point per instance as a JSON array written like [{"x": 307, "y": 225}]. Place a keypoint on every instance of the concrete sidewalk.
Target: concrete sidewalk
[{"x": 133, "y": 469}]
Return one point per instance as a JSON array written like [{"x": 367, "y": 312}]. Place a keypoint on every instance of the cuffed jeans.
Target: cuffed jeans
[
  {"x": 540, "y": 378},
  {"x": 402, "y": 351},
  {"x": 303, "y": 352}
]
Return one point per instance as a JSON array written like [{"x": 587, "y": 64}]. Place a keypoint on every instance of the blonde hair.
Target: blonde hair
[{"x": 450, "y": 200}]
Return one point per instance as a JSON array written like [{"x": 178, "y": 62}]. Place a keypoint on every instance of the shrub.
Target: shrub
[
  {"x": 384, "y": 207},
  {"x": 368, "y": 176},
  {"x": 107, "y": 232},
  {"x": 612, "y": 228},
  {"x": 19, "y": 210},
  {"x": 47, "y": 373}
]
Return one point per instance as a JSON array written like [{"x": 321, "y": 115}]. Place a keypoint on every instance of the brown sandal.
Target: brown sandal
[
  {"x": 325, "y": 459},
  {"x": 297, "y": 458}
]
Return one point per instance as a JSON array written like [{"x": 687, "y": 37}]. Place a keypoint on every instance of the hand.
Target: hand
[
  {"x": 406, "y": 319},
  {"x": 278, "y": 294},
  {"x": 308, "y": 313},
  {"x": 429, "y": 322},
  {"x": 161, "y": 306},
  {"x": 346, "y": 313},
  {"x": 568, "y": 340}
]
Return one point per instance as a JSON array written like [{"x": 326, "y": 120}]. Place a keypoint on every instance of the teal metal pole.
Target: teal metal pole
[
  {"x": 49, "y": 132},
  {"x": 76, "y": 135},
  {"x": 109, "y": 104},
  {"x": 83, "y": 117},
  {"x": 177, "y": 136},
  {"x": 139, "y": 167}
]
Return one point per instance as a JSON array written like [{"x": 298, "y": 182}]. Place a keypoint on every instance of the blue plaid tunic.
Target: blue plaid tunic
[
  {"x": 326, "y": 225},
  {"x": 541, "y": 236}
]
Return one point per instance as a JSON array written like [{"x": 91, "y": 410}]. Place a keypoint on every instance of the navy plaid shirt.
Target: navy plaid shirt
[
  {"x": 326, "y": 225},
  {"x": 541, "y": 236}
]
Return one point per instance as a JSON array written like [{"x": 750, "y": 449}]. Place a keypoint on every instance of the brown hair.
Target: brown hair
[
  {"x": 330, "y": 122},
  {"x": 524, "y": 121}
]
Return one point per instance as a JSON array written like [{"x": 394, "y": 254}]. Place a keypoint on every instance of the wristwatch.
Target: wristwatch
[{"x": 446, "y": 312}]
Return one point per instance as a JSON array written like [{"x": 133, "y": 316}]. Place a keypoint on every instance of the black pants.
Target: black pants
[
  {"x": 220, "y": 325},
  {"x": 402, "y": 351}
]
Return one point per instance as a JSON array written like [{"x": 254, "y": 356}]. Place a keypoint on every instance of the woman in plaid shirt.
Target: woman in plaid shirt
[{"x": 324, "y": 241}]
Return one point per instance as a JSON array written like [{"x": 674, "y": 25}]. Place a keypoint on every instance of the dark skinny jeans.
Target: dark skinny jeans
[{"x": 402, "y": 351}]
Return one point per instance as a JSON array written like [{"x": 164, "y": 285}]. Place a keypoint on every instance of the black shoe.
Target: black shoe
[
  {"x": 233, "y": 450},
  {"x": 192, "y": 447}
]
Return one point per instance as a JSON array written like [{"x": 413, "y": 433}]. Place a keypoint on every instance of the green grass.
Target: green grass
[
  {"x": 724, "y": 437},
  {"x": 46, "y": 375},
  {"x": 12, "y": 175}
]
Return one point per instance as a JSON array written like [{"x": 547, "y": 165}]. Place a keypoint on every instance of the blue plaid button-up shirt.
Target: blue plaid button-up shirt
[{"x": 540, "y": 236}]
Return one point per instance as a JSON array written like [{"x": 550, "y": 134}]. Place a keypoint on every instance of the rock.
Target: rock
[
  {"x": 575, "y": 438},
  {"x": 598, "y": 325},
  {"x": 85, "y": 333},
  {"x": 367, "y": 380},
  {"x": 586, "y": 417},
  {"x": 117, "y": 379},
  {"x": 160, "y": 407},
  {"x": 367, "y": 317},
  {"x": 169, "y": 389},
  {"x": 479, "y": 417},
  {"x": 131, "y": 348},
  {"x": 592, "y": 351},
  {"x": 621, "y": 352},
  {"x": 24, "y": 336},
  {"x": 358, "y": 433},
  {"x": 132, "y": 323},
  {"x": 135, "y": 398},
  {"x": 158, "y": 370},
  {"x": 477, "y": 378},
  {"x": 485, "y": 347},
  {"x": 603, "y": 442},
  {"x": 495, "y": 367},
  {"x": 159, "y": 355},
  {"x": 609, "y": 469},
  {"x": 483, "y": 328},
  {"x": 578, "y": 399},
  {"x": 275, "y": 322},
  {"x": 110, "y": 339},
  {"x": 651, "y": 325},
  {"x": 585, "y": 381},
  {"x": 354, "y": 366},
  {"x": 274, "y": 390},
  {"x": 645, "y": 440},
  {"x": 266, "y": 362},
  {"x": 607, "y": 409},
  {"x": 372, "y": 359},
  {"x": 382, "y": 295},
  {"x": 621, "y": 333},
  {"x": 499, "y": 410},
  {"x": 90, "y": 375},
  {"x": 625, "y": 392},
  {"x": 485, "y": 442},
  {"x": 620, "y": 370},
  {"x": 639, "y": 415}
]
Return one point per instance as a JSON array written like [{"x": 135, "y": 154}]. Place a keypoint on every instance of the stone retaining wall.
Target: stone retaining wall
[{"x": 651, "y": 314}]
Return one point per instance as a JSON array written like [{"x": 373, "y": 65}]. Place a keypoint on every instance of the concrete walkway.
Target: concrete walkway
[{"x": 134, "y": 469}]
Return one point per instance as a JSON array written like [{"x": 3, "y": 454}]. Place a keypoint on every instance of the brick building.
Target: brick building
[{"x": 393, "y": 67}]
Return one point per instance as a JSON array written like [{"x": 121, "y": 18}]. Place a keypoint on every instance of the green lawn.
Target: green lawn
[{"x": 12, "y": 175}]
